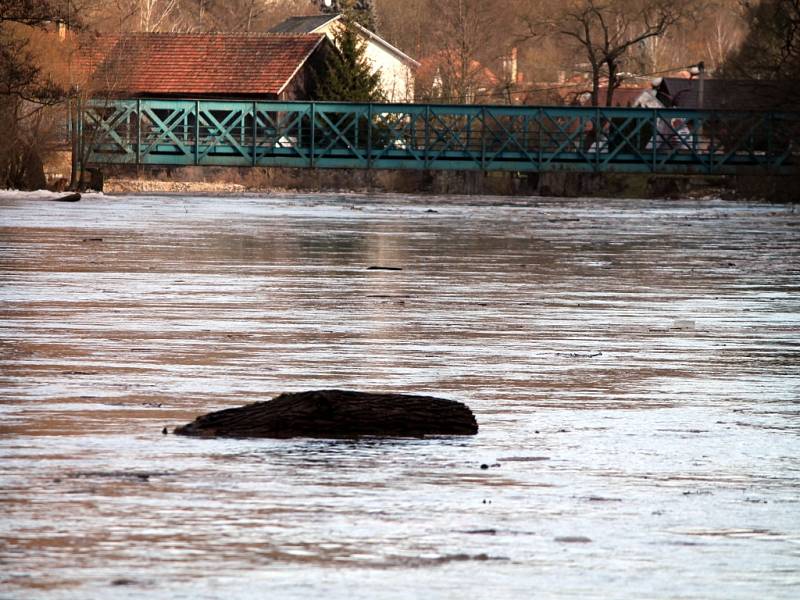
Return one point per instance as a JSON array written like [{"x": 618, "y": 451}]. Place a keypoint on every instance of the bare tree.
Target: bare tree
[
  {"x": 725, "y": 26},
  {"x": 159, "y": 15},
  {"x": 405, "y": 23},
  {"x": 148, "y": 15},
  {"x": 244, "y": 15},
  {"x": 30, "y": 89},
  {"x": 465, "y": 34},
  {"x": 607, "y": 30}
]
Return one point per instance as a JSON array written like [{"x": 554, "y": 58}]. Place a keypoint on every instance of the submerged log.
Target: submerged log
[
  {"x": 68, "y": 198},
  {"x": 337, "y": 414}
]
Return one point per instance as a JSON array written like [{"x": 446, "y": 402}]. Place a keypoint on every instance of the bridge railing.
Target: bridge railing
[{"x": 420, "y": 136}]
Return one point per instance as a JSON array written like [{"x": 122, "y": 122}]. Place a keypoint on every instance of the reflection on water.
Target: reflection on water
[{"x": 633, "y": 367}]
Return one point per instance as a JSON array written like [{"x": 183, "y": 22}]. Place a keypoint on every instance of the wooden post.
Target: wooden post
[{"x": 73, "y": 142}]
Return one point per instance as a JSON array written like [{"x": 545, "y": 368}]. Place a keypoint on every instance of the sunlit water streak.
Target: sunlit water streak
[{"x": 633, "y": 366}]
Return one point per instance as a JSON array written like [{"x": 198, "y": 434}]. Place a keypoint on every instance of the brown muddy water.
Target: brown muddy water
[{"x": 633, "y": 366}]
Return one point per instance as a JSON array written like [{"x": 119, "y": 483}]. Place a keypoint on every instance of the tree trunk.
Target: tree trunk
[
  {"x": 595, "y": 84},
  {"x": 74, "y": 173},
  {"x": 612, "y": 82}
]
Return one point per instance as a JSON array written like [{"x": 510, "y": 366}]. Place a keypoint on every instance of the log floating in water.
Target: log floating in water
[
  {"x": 68, "y": 198},
  {"x": 337, "y": 414}
]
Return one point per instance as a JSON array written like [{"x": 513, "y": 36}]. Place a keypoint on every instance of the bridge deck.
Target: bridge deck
[{"x": 420, "y": 136}]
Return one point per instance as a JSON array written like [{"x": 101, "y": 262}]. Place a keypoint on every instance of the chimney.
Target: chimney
[
  {"x": 513, "y": 64},
  {"x": 510, "y": 66}
]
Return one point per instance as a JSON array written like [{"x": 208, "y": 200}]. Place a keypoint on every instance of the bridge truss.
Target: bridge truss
[{"x": 426, "y": 136}]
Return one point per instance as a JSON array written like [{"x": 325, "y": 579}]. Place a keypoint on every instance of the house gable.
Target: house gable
[
  {"x": 329, "y": 24},
  {"x": 312, "y": 24},
  {"x": 396, "y": 67}
]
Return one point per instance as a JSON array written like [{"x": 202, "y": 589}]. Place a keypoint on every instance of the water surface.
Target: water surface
[{"x": 633, "y": 366}]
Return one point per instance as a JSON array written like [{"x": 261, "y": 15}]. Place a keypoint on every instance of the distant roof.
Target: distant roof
[
  {"x": 625, "y": 97},
  {"x": 203, "y": 63},
  {"x": 447, "y": 64},
  {"x": 721, "y": 94},
  {"x": 314, "y": 23},
  {"x": 304, "y": 24}
]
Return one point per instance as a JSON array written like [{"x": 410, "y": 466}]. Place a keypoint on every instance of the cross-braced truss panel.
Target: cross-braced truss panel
[{"x": 419, "y": 136}]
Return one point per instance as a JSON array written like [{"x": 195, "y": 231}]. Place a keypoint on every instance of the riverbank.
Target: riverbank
[
  {"x": 559, "y": 184},
  {"x": 222, "y": 180}
]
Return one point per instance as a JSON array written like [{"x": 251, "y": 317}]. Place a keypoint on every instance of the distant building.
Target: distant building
[
  {"x": 446, "y": 77},
  {"x": 206, "y": 65},
  {"x": 721, "y": 94},
  {"x": 625, "y": 97},
  {"x": 397, "y": 68}
]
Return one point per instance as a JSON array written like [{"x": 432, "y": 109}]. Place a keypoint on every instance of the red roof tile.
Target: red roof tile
[
  {"x": 92, "y": 50},
  {"x": 192, "y": 64}
]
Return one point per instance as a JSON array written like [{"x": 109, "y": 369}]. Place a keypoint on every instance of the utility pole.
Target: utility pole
[{"x": 701, "y": 67}]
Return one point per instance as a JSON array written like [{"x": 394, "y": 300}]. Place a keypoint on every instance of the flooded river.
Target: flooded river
[{"x": 634, "y": 367}]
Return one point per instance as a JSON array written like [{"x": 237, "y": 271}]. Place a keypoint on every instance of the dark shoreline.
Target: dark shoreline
[{"x": 780, "y": 189}]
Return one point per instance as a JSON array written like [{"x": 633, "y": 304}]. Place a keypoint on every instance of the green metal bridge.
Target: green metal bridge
[{"x": 427, "y": 136}]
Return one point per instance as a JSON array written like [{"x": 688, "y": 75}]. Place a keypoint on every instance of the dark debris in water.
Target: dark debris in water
[
  {"x": 481, "y": 531},
  {"x": 423, "y": 561},
  {"x": 579, "y": 354},
  {"x": 123, "y": 475},
  {"x": 735, "y": 532},
  {"x": 491, "y": 531}
]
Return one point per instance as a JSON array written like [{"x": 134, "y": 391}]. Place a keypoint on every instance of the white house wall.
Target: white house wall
[{"x": 397, "y": 78}]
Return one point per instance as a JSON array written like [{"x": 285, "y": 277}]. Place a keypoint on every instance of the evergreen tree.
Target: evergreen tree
[
  {"x": 347, "y": 75},
  {"x": 359, "y": 11},
  {"x": 771, "y": 51}
]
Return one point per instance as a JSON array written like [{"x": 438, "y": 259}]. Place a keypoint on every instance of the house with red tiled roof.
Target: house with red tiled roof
[
  {"x": 447, "y": 77},
  {"x": 209, "y": 65}
]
